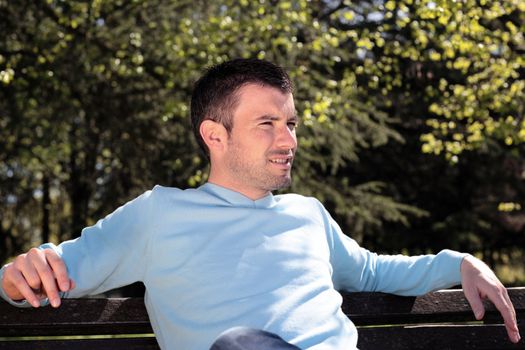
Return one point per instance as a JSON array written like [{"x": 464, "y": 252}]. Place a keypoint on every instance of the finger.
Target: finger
[
  {"x": 59, "y": 269},
  {"x": 47, "y": 277},
  {"x": 30, "y": 273},
  {"x": 501, "y": 300},
  {"x": 18, "y": 280},
  {"x": 475, "y": 302}
]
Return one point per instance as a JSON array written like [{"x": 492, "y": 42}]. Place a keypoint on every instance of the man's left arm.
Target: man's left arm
[
  {"x": 357, "y": 269},
  {"x": 479, "y": 282}
]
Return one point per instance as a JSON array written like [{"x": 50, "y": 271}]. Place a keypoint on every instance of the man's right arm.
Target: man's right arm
[
  {"x": 112, "y": 253},
  {"x": 37, "y": 274}
]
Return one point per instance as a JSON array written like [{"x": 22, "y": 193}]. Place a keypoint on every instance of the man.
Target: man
[{"x": 230, "y": 254}]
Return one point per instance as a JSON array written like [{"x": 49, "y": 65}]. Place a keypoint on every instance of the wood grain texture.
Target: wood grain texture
[{"x": 439, "y": 320}]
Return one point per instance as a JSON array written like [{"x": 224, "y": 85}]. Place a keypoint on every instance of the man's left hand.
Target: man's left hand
[{"x": 479, "y": 282}]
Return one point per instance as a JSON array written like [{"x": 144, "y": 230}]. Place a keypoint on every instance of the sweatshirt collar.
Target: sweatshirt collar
[{"x": 236, "y": 198}]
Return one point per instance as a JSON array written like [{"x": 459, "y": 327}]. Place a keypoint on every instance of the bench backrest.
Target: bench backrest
[{"x": 439, "y": 320}]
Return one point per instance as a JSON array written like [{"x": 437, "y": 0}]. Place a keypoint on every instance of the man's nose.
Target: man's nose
[{"x": 286, "y": 138}]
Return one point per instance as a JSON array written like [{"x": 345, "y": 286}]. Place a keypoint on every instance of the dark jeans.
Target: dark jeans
[{"x": 243, "y": 338}]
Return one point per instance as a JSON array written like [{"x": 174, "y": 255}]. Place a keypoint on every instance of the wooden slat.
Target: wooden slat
[
  {"x": 77, "y": 317},
  {"x": 128, "y": 316},
  {"x": 441, "y": 306},
  {"x": 82, "y": 344},
  {"x": 443, "y": 337}
]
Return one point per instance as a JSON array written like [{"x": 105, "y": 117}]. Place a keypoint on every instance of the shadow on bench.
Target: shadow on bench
[{"x": 440, "y": 320}]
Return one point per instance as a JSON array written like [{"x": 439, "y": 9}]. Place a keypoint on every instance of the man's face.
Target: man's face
[{"x": 262, "y": 143}]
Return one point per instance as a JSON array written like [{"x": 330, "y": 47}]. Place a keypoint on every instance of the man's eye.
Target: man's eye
[{"x": 292, "y": 125}]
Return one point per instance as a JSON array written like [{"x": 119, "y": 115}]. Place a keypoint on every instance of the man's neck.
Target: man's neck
[{"x": 252, "y": 194}]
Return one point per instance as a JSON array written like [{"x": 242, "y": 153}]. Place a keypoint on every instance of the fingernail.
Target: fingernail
[
  {"x": 35, "y": 303},
  {"x": 516, "y": 337},
  {"x": 64, "y": 286},
  {"x": 55, "y": 302}
]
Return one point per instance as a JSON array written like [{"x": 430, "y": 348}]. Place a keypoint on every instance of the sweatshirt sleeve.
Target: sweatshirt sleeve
[
  {"x": 112, "y": 253},
  {"x": 357, "y": 269}
]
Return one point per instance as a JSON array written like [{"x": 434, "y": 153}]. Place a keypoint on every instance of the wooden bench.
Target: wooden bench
[{"x": 440, "y": 320}]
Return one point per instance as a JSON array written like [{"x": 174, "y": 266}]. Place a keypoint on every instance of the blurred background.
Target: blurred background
[{"x": 412, "y": 113}]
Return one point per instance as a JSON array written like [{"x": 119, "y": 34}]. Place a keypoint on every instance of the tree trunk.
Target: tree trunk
[{"x": 46, "y": 205}]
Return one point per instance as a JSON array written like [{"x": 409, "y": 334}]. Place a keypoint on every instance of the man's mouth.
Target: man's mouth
[
  {"x": 280, "y": 161},
  {"x": 281, "y": 158}
]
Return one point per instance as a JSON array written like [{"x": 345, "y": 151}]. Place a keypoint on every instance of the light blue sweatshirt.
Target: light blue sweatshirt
[{"x": 212, "y": 259}]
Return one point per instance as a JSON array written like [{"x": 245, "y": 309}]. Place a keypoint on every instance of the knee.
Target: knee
[
  {"x": 239, "y": 331},
  {"x": 235, "y": 335},
  {"x": 245, "y": 338}
]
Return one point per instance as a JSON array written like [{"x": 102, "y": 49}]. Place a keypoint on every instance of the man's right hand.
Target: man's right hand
[{"x": 35, "y": 275}]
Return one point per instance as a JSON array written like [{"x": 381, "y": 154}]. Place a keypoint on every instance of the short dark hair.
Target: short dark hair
[{"x": 215, "y": 93}]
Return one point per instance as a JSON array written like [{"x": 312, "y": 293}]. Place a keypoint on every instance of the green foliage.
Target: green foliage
[
  {"x": 467, "y": 57},
  {"x": 449, "y": 75},
  {"x": 96, "y": 95},
  {"x": 94, "y": 98}
]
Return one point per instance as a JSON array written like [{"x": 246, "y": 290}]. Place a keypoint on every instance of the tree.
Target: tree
[
  {"x": 94, "y": 101},
  {"x": 451, "y": 73},
  {"x": 97, "y": 94}
]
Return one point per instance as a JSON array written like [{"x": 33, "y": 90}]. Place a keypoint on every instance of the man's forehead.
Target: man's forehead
[
  {"x": 264, "y": 93},
  {"x": 255, "y": 101}
]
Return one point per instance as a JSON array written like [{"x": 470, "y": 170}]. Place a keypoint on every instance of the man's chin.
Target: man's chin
[{"x": 284, "y": 183}]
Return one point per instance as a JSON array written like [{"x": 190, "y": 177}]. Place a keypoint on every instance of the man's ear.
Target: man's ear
[{"x": 214, "y": 135}]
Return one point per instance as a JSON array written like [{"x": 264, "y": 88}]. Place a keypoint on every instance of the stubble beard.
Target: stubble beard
[{"x": 255, "y": 175}]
